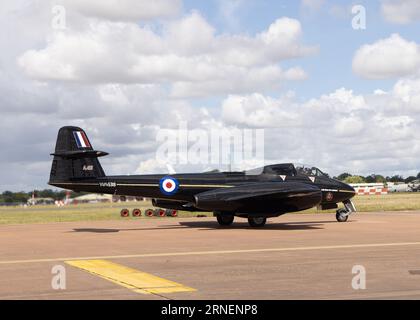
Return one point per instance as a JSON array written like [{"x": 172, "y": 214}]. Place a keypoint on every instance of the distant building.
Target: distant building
[
  {"x": 40, "y": 201},
  {"x": 370, "y": 188},
  {"x": 92, "y": 198},
  {"x": 98, "y": 198}
]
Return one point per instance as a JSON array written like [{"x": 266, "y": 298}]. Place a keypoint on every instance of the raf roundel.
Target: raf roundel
[{"x": 168, "y": 185}]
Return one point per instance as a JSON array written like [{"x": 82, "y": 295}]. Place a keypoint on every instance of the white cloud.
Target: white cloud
[
  {"x": 125, "y": 10},
  {"x": 408, "y": 90},
  {"x": 337, "y": 131},
  {"x": 387, "y": 58},
  {"x": 238, "y": 80},
  {"x": 123, "y": 82},
  {"x": 188, "y": 54},
  {"x": 401, "y": 11},
  {"x": 256, "y": 110}
]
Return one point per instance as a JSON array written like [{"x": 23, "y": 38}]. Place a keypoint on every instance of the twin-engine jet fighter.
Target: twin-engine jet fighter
[{"x": 256, "y": 195}]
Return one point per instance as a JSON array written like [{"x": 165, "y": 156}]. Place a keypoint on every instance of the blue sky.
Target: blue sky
[
  {"x": 125, "y": 72},
  {"x": 331, "y": 68}
]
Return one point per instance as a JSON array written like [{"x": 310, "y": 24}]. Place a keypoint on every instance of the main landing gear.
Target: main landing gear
[
  {"x": 342, "y": 214},
  {"x": 227, "y": 219},
  {"x": 257, "y": 222}
]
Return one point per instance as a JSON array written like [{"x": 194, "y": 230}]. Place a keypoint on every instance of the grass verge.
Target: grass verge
[{"x": 111, "y": 211}]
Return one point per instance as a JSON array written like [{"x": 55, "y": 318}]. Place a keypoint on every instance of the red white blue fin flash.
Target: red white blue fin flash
[{"x": 81, "y": 139}]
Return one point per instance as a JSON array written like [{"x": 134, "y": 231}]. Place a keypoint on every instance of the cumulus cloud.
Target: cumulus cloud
[
  {"x": 124, "y": 81},
  {"x": 188, "y": 54},
  {"x": 337, "y": 131},
  {"x": 408, "y": 91},
  {"x": 259, "y": 111},
  {"x": 125, "y": 10},
  {"x": 387, "y": 58},
  {"x": 401, "y": 11}
]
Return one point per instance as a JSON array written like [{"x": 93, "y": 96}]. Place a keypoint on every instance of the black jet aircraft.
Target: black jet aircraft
[{"x": 256, "y": 195}]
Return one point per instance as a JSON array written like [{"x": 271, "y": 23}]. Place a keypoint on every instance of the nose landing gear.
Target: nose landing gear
[{"x": 342, "y": 214}]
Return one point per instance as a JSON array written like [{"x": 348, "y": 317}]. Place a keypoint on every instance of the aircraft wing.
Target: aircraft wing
[{"x": 262, "y": 196}]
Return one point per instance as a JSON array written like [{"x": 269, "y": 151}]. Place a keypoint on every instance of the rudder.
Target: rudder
[{"x": 74, "y": 157}]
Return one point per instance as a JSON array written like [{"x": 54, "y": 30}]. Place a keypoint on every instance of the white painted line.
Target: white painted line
[{"x": 192, "y": 253}]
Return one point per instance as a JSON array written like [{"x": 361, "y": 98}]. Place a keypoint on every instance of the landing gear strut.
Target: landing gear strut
[{"x": 342, "y": 214}]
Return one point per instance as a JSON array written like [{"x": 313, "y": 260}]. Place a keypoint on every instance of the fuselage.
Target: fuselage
[
  {"x": 324, "y": 190},
  {"x": 271, "y": 190}
]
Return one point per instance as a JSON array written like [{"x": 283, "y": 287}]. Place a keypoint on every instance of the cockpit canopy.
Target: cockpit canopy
[
  {"x": 307, "y": 170},
  {"x": 288, "y": 169}
]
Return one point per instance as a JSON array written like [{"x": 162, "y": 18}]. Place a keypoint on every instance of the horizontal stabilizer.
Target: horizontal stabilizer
[
  {"x": 78, "y": 154},
  {"x": 74, "y": 157}
]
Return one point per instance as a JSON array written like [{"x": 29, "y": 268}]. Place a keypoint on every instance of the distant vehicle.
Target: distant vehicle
[
  {"x": 398, "y": 187},
  {"x": 40, "y": 201},
  {"x": 256, "y": 195},
  {"x": 414, "y": 185}
]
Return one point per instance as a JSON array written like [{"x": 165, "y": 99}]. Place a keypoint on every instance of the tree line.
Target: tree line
[
  {"x": 349, "y": 178},
  {"x": 22, "y": 196}
]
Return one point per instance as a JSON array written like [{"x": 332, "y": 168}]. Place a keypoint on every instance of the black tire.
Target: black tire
[
  {"x": 257, "y": 222},
  {"x": 341, "y": 215},
  {"x": 225, "y": 219}
]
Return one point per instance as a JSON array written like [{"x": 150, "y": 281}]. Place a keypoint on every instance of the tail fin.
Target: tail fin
[{"x": 74, "y": 157}]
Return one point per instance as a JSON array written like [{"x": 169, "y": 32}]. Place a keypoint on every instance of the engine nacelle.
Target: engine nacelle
[
  {"x": 176, "y": 205},
  {"x": 264, "y": 198}
]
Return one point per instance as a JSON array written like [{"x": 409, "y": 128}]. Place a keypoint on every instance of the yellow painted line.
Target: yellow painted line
[
  {"x": 192, "y": 253},
  {"x": 205, "y": 185},
  {"x": 138, "y": 185},
  {"x": 348, "y": 191},
  {"x": 181, "y": 185},
  {"x": 149, "y": 185},
  {"x": 138, "y": 281}
]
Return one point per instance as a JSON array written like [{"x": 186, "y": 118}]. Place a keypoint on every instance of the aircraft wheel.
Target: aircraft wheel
[
  {"x": 257, "y": 222},
  {"x": 225, "y": 219},
  {"x": 341, "y": 215},
  {"x": 125, "y": 213}
]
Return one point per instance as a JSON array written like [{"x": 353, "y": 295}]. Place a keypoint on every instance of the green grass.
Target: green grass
[
  {"x": 401, "y": 201},
  {"x": 108, "y": 211},
  {"x": 81, "y": 212}
]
